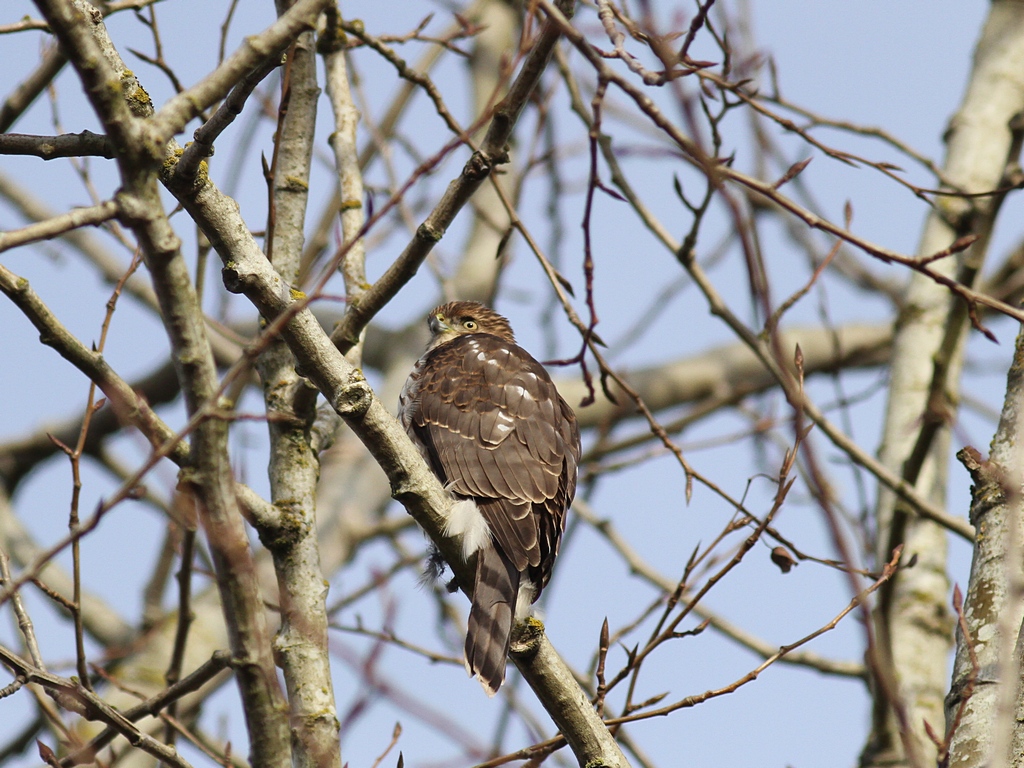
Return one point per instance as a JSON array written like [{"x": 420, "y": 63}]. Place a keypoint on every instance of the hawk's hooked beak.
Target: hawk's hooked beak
[{"x": 438, "y": 325}]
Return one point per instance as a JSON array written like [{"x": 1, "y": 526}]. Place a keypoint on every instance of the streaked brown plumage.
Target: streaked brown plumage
[{"x": 488, "y": 419}]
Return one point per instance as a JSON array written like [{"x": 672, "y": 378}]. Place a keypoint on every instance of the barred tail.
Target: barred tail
[{"x": 495, "y": 589}]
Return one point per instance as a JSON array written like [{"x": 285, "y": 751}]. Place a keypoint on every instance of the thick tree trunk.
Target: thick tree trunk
[
  {"x": 980, "y": 706},
  {"x": 912, "y": 622}
]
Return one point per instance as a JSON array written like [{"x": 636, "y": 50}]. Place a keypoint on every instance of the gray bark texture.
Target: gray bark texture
[{"x": 913, "y": 622}]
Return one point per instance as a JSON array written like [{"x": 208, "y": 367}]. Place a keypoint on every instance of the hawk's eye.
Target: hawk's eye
[{"x": 469, "y": 325}]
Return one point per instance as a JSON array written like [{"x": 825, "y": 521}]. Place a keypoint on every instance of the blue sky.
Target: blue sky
[{"x": 901, "y": 66}]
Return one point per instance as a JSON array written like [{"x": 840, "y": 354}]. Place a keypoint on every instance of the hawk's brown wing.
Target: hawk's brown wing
[{"x": 495, "y": 429}]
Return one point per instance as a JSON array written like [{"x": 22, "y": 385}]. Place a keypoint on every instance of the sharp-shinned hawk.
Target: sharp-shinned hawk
[{"x": 489, "y": 421}]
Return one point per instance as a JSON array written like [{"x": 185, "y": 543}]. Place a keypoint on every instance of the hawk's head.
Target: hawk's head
[{"x": 457, "y": 318}]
